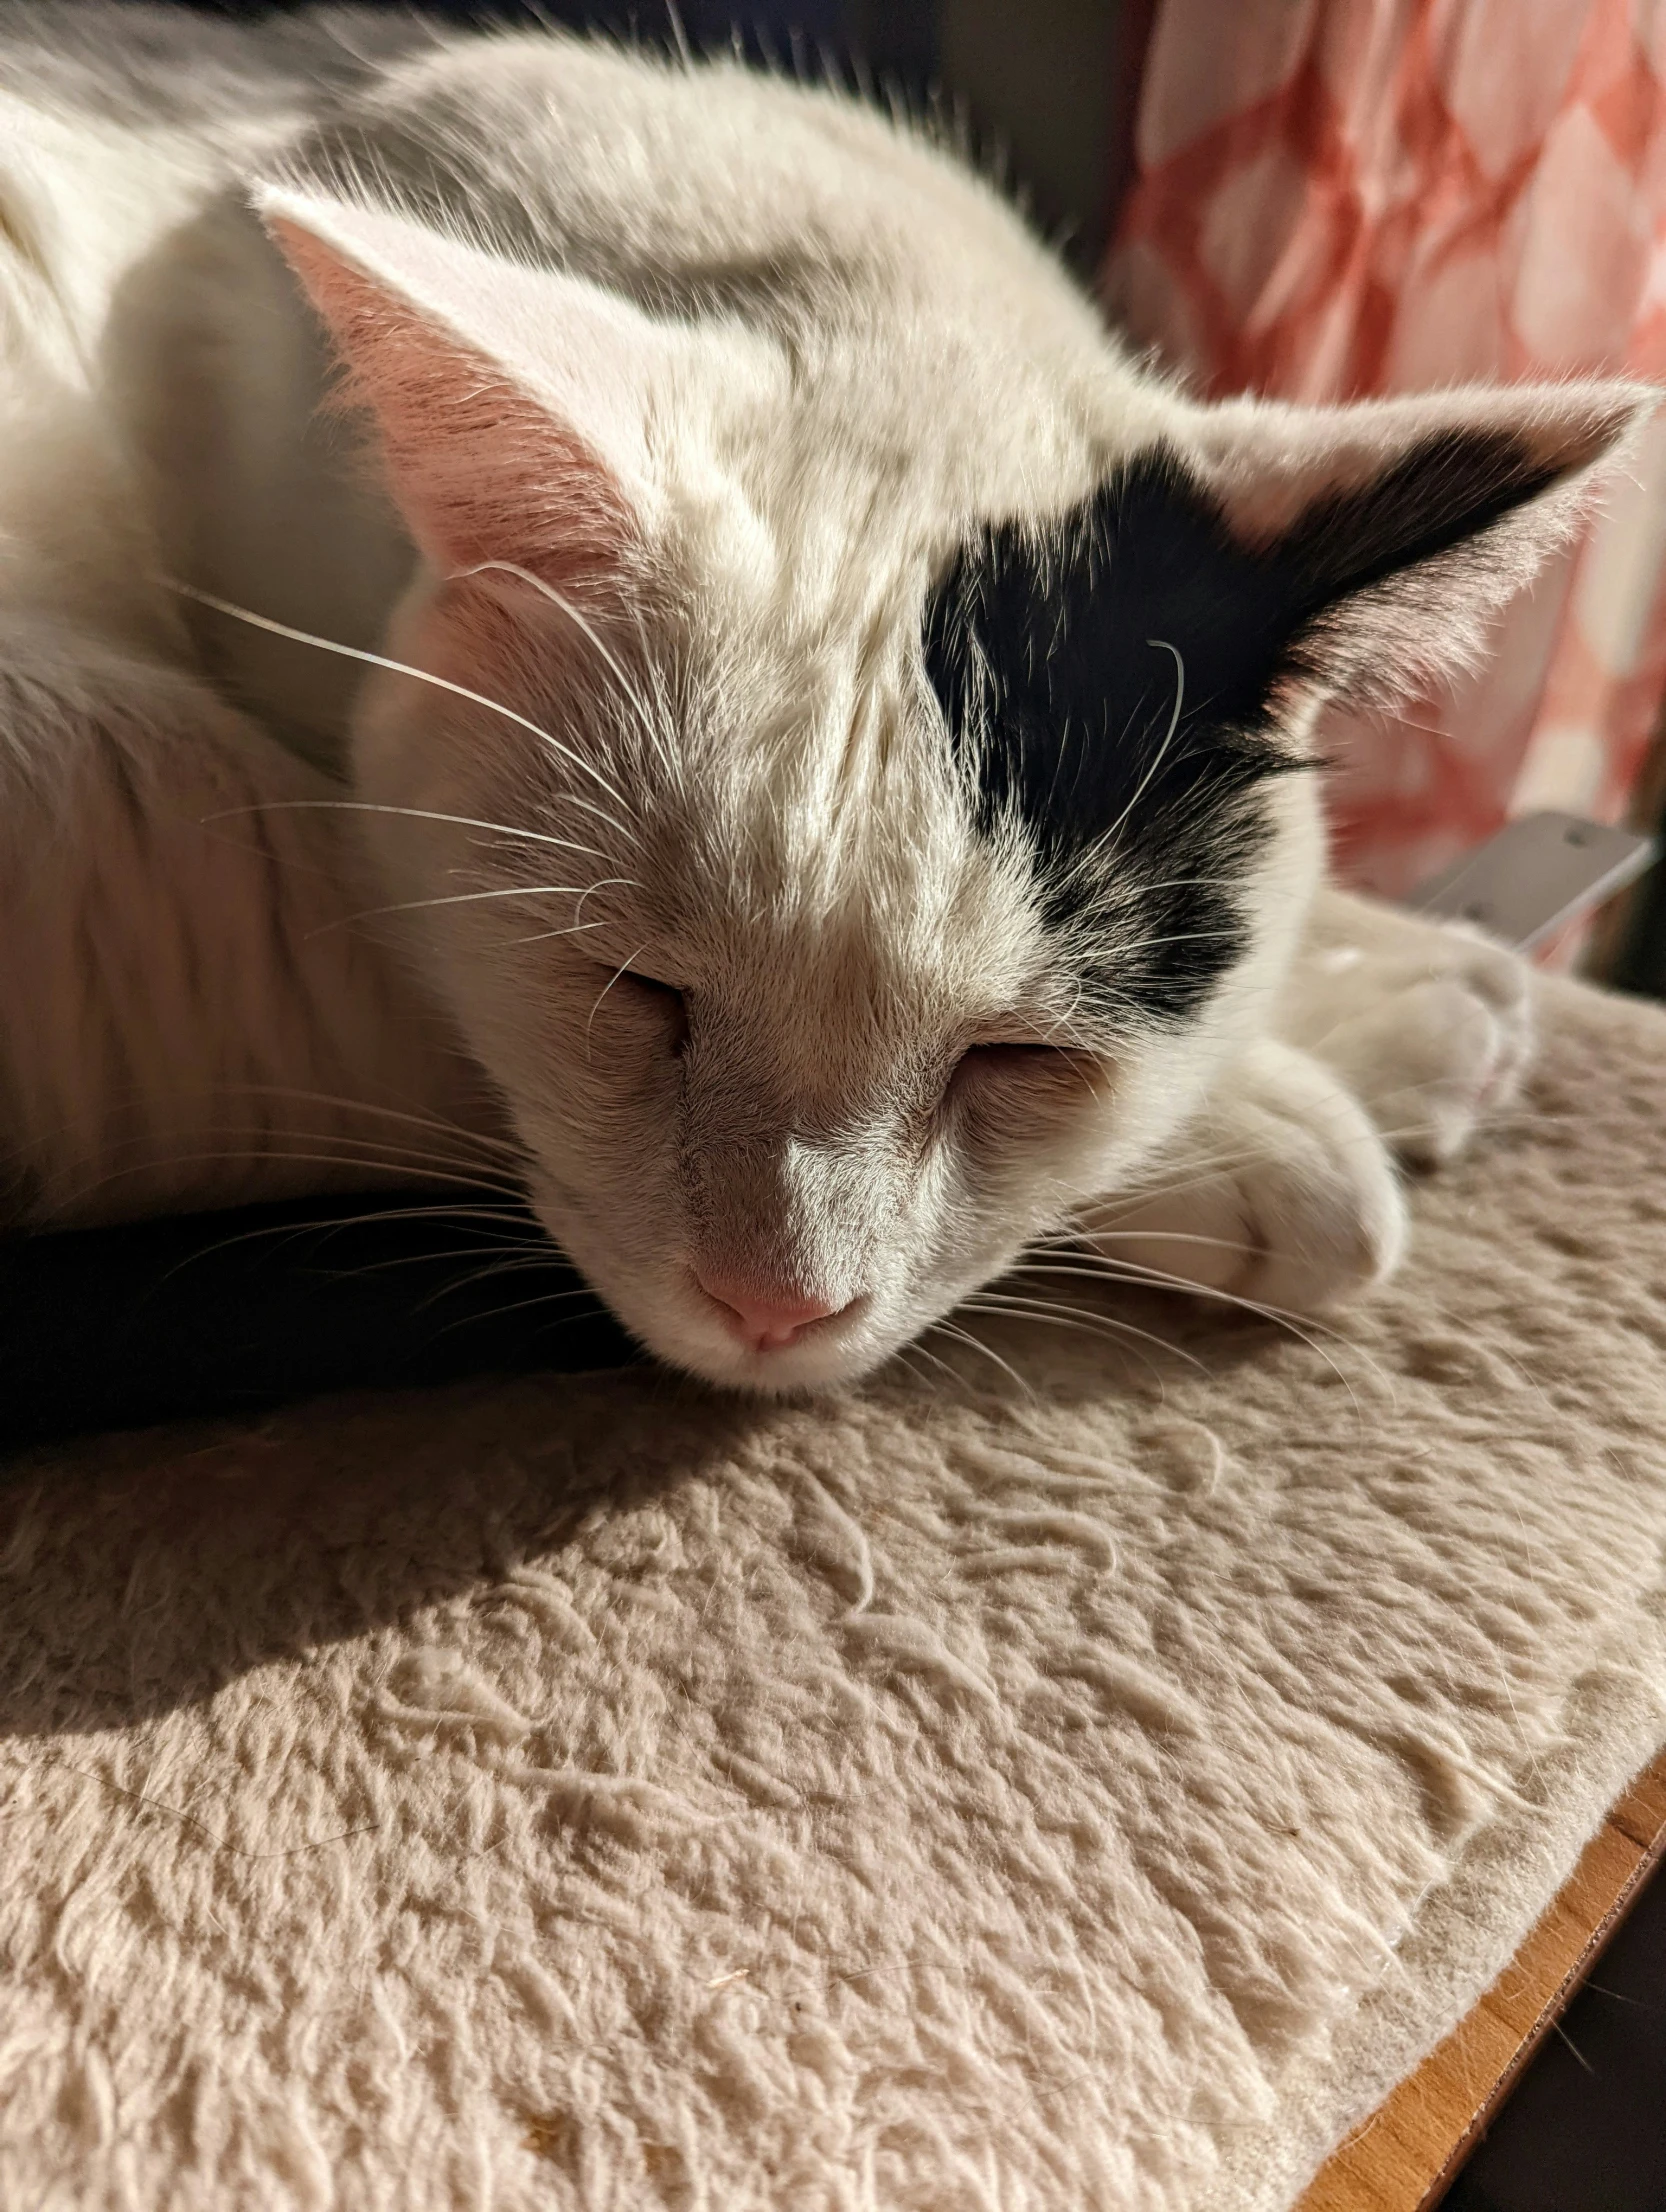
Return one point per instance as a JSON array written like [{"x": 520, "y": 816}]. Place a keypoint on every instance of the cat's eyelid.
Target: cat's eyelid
[
  {"x": 1014, "y": 1027},
  {"x": 627, "y": 971},
  {"x": 1015, "y": 1041}
]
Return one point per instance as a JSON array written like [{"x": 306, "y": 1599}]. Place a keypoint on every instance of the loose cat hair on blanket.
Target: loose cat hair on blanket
[{"x": 578, "y": 621}]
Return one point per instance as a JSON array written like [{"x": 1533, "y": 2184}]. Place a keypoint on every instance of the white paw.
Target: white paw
[
  {"x": 1282, "y": 1194},
  {"x": 1430, "y": 1028}
]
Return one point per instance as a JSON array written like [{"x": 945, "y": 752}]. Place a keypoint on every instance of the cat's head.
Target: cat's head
[{"x": 862, "y": 795}]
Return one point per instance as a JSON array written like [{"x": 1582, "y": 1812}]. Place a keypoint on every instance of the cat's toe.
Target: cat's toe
[
  {"x": 1320, "y": 1222},
  {"x": 1440, "y": 1048},
  {"x": 1498, "y": 977}
]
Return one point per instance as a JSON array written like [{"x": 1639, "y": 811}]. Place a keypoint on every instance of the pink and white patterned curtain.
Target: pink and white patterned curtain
[{"x": 1337, "y": 198}]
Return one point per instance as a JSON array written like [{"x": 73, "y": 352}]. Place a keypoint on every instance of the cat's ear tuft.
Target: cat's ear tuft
[
  {"x": 511, "y": 404},
  {"x": 1396, "y": 529}
]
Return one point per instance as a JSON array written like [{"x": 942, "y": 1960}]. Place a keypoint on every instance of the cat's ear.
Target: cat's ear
[
  {"x": 512, "y": 404},
  {"x": 1387, "y": 534}
]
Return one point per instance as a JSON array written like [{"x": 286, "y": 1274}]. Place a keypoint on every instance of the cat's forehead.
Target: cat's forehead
[
  {"x": 964, "y": 758},
  {"x": 856, "y": 889},
  {"x": 873, "y": 468}
]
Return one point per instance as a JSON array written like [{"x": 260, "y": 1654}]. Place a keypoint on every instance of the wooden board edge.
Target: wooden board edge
[{"x": 1408, "y": 2153}]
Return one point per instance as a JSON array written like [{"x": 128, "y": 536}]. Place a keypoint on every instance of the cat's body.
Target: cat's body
[{"x": 855, "y": 816}]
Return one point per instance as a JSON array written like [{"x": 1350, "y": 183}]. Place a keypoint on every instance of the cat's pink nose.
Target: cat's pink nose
[{"x": 767, "y": 1320}]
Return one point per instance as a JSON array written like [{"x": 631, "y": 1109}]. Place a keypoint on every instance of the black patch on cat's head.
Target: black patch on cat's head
[{"x": 1112, "y": 680}]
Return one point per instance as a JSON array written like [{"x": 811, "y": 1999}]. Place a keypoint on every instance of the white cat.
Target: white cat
[{"x": 823, "y": 788}]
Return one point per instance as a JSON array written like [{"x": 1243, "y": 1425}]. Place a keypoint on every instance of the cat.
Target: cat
[{"x": 581, "y": 620}]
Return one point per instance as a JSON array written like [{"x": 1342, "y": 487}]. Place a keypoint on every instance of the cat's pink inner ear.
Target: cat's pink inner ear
[{"x": 481, "y": 468}]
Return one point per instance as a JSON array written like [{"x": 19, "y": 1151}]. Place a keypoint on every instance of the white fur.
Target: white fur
[{"x": 802, "y": 352}]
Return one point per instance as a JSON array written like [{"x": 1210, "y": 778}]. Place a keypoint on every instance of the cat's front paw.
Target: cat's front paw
[
  {"x": 1430, "y": 1027},
  {"x": 1282, "y": 1193}
]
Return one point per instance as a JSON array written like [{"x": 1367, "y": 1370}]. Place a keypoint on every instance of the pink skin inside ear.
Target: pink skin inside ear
[
  {"x": 481, "y": 470},
  {"x": 767, "y": 1319}
]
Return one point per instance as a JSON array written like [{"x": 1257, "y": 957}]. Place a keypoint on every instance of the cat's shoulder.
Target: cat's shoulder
[{"x": 127, "y": 64}]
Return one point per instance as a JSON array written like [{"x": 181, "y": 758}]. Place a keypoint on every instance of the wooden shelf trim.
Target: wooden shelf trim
[{"x": 1406, "y": 2154}]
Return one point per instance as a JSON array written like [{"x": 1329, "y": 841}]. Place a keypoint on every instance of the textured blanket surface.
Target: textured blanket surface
[{"x": 973, "y": 1795}]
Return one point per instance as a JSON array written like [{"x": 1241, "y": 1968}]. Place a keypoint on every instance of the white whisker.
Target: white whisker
[
  {"x": 623, "y": 968},
  {"x": 407, "y": 813},
  {"x": 1107, "y": 842},
  {"x": 474, "y": 898},
  {"x": 651, "y": 730},
  {"x": 439, "y": 1123},
  {"x": 1015, "y": 1305},
  {"x": 481, "y": 1172},
  {"x": 964, "y": 1336},
  {"x": 526, "y": 1253},
  {"x": 430, "y": 1177},
  {"x": 1136, "y": 1274},
  {"x": 522, "y": 1305},
  {"x": 235, "y": 613},
  {"x": 325, "y": 1225},
  {"x": 1132, "y": 1274},
  {"x": 543, "y": 936}
]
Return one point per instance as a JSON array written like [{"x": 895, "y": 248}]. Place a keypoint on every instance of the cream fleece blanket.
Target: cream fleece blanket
[{"x": 961, "y": 1798}]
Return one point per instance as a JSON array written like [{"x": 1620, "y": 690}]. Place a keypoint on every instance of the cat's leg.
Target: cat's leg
[
  {"x": 1394, "y": 1038},
  {"x": 190, "y": 1012},
  {"x": 1280, "y": 1191},
  {"x": 1430, "y": 1026}
]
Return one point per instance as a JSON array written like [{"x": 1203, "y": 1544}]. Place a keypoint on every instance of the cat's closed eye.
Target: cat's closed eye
[
  {"x": 655, "y": 996},
  {"x": 999, "y": 1063},
  {"x": 1010, "y": 1058}
]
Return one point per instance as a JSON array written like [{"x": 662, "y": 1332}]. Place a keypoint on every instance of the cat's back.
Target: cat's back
[
  {"x": 127, "y": 272},
  {"x": 697, "y": 186},
  {"x": 150, "y": 67},
  {"x": 117, "y": 121}
]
